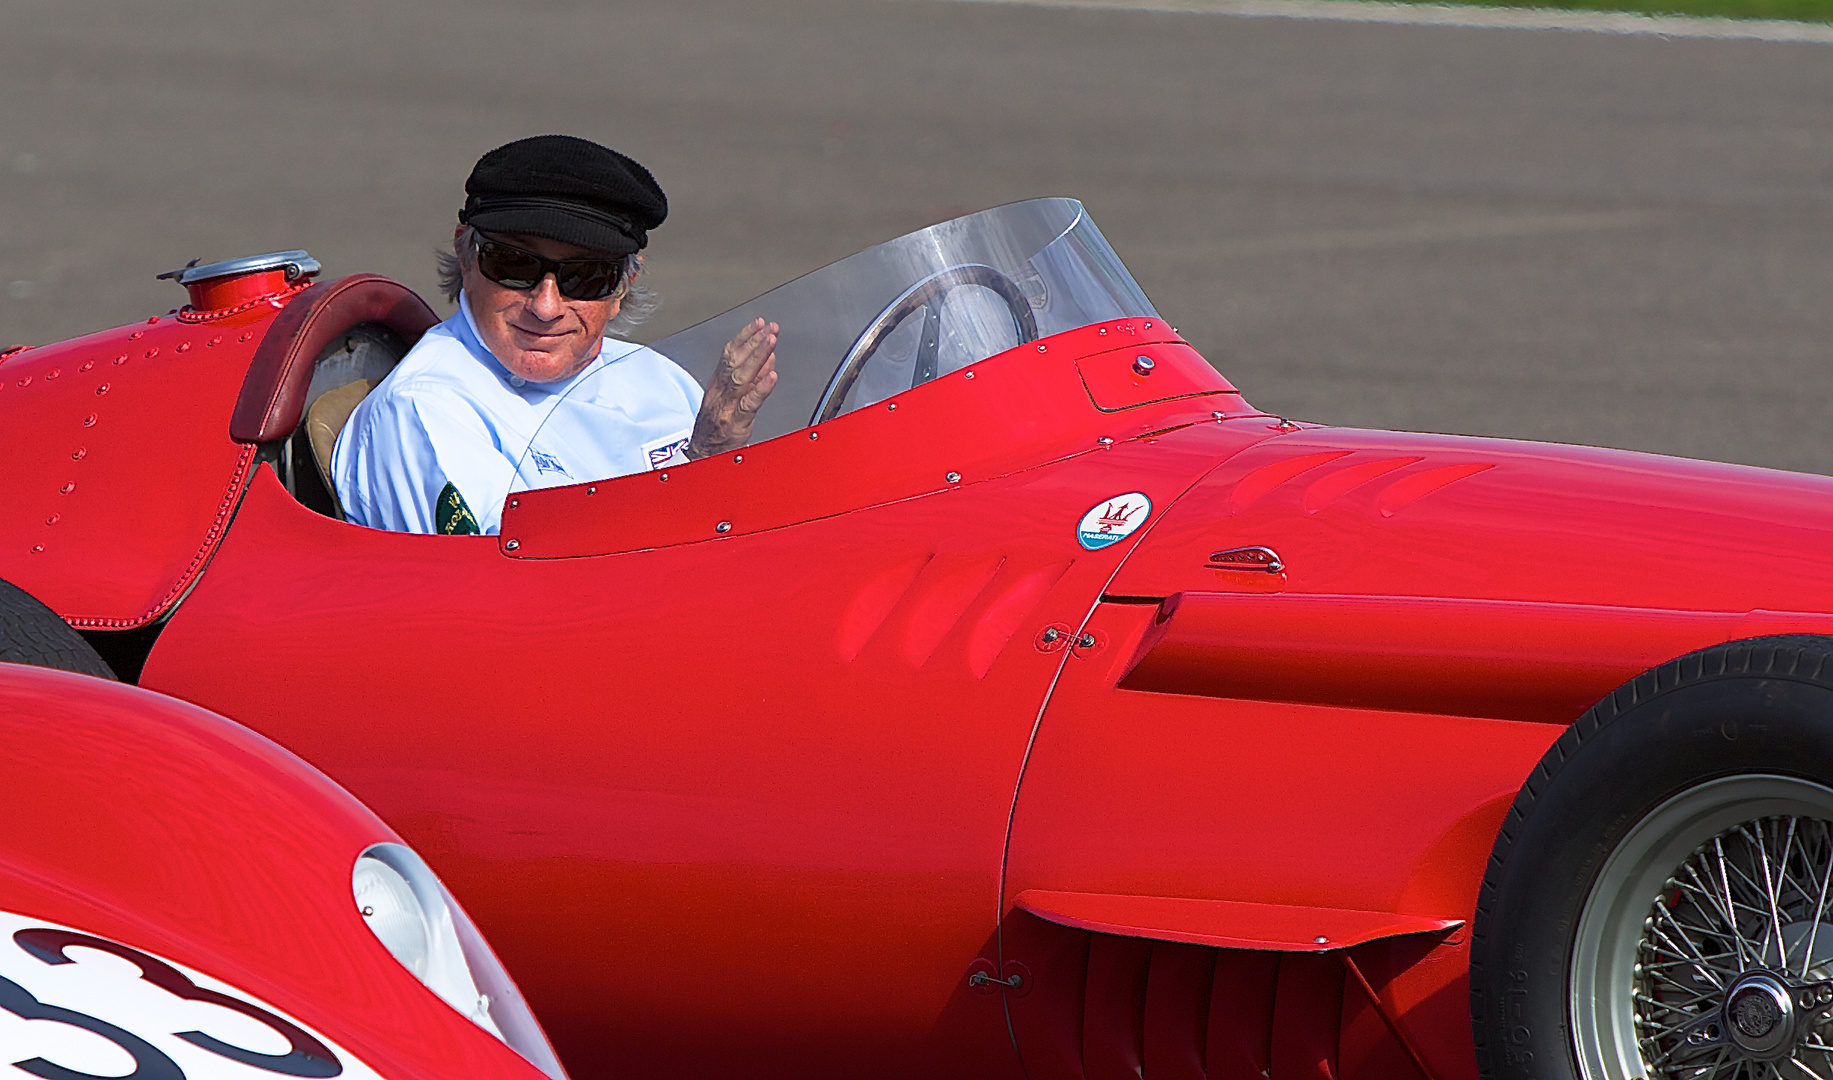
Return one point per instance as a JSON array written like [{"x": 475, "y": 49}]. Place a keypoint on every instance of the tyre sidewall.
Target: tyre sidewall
[{"x": 1585, "y": 805}]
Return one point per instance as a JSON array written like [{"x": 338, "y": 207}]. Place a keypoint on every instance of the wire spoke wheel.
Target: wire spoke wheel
[{"x": 1705, "y": 948}]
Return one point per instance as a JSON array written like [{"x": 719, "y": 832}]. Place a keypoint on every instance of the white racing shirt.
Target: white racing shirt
[{"x": 451, "y": 415}]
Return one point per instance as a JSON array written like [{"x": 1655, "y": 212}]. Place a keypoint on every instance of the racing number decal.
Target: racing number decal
[
  {"x": 306, "y": 1056},
  {"x": 149, "y": 1063}
]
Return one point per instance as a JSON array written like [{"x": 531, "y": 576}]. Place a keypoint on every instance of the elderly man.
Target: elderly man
[{"x": 545, "y": 264}]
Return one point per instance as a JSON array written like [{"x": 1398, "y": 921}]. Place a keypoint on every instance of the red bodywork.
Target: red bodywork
[
  {"x": 890, "y": 774},
  {"x": 152, "y": 823}
]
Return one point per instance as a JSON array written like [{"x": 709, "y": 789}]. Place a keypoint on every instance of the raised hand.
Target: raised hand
[{"x": 742, "y": 380}]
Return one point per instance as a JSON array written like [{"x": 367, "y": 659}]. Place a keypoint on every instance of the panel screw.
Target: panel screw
[
  {"x": 1052, "y": 634},
  {"x": 1086, "y": 641},
  {"x": 723, "y": 527},
  {"x": 511, "y": 545},
  {"x": 954, "y": 478}
]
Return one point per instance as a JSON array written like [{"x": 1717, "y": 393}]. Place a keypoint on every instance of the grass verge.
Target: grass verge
[{"x": 1820, "y": 11}]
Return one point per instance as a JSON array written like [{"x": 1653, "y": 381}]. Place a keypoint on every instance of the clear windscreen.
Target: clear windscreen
[{"x": 911, "y": 309}]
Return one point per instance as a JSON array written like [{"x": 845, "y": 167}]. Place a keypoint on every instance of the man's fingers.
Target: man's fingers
[
  {"x": 752, "y": 359},
  {"x": 760, "y": 390}
]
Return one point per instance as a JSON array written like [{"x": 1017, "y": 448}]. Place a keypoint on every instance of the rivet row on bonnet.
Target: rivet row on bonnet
[{"x": 565, "y": 188}]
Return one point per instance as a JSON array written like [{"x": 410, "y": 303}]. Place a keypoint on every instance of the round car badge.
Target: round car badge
[{"x": 1113, "y": 520}]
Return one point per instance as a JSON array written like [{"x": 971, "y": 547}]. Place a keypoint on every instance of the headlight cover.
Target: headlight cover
[{"x": 416, "y": 919}]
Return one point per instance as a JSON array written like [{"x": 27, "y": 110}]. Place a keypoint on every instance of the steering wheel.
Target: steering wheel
[{"x": 927, "y": 296}]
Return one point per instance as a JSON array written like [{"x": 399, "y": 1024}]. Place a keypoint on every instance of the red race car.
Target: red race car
[
  {"x": 1022, "y": 702},
  {"x": 179, "y": 897}
]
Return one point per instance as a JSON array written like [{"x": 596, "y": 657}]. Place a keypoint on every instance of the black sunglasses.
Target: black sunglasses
[{"x": 578, "y": 279}]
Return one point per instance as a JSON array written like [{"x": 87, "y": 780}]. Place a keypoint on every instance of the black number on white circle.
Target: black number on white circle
[
  {"x": 305, "y": 1057},
  {"x": 149, "y": 1062}
]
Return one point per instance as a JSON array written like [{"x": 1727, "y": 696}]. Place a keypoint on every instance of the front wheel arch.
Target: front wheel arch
[{"x": 1747, "y": 709}]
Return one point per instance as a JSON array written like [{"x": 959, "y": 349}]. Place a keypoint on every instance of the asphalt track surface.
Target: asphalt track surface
[{"x": 1583, "y": 237}]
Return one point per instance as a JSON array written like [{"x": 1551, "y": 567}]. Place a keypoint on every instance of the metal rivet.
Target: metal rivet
[
  {"x": 736, "y": 458},
  {"x": 27, "y": 381},
  {"x": 967, "y": 375},
  {"x": 53, "y": 373},
  {"x": 1143, "y": 365},
  {"x": 136, "y": 335},
  {"x": 152, "y": 352},
  {"x": 513, "y": 503},
  {"x": 1148, "y": 326},
  {"x": 36, "y": 548},
  {"x": 891, "y": 407},
  {"x": 1219, "y": 416},
  {"x": 68, "y": 487},
  {"x": 1105, "y": 441},
  {"x": 1103, "y": 331},
  {"x": 87, "y": 364},
  {"x": 1320, "y": 940},
  {"x": 52, "y": 520},
  {"x": 511, "y": 545},
  {"x": 102, "y": 389},
  {"x": 723, "y": 527},
  {"x": 79, "y": 453},
  {"x": 954, "y": 478},
  {"x": 213, "y": 341},
  {"x": 89, "y": 421},
  {"x": 1042, "y": 348},
  {"x": 184, "y": 346},
  {"x": 591, "y": 491},
  {"x": 120, "y": 359},
  {"x": 246, "y": 334},
  {"x": 813, "y": 435},
  {"x": 665, "y": 477}
]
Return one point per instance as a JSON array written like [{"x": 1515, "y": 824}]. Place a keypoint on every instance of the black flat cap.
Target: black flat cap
[{"x": 565, "y": 188}]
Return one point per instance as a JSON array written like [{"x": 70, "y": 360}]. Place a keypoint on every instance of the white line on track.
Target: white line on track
[{"x": 1369, "y": 11}]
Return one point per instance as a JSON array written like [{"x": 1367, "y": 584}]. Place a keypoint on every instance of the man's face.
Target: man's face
[{"x": 537, "y": 333}]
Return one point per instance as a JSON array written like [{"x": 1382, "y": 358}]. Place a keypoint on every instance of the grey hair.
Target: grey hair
[{"x": 640, "y": 301}]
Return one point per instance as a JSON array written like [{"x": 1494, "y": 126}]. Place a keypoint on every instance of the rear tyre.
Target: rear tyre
[
  {"x": 1659, "y": 902},
  {"x": 31, "y": 633}
]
